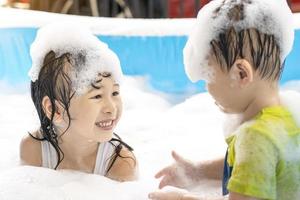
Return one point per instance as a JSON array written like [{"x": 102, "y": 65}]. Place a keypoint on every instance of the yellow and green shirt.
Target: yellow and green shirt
[{"x": 265, "y": 156}]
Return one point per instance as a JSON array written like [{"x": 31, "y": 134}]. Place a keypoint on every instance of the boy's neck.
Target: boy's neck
[{"x": 265, "y": 95}]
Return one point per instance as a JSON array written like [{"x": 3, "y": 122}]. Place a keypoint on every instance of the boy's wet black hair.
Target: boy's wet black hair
[
  {"x": 259, "y": 49},
  {"x": 54, "y": 82}
]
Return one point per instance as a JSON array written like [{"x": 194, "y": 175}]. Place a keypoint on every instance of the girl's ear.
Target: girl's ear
[
  {"x": 48, "y": 109},
  {"x": 242, "y": 71}
]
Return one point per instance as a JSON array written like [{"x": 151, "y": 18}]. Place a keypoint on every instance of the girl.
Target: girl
[{"x": 75, "y": 89}]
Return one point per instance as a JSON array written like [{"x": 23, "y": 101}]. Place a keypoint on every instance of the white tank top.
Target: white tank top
[{"x": 104, "y": 153}]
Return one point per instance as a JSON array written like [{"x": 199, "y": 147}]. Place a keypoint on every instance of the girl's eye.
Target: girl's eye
[
  {"x": 97, "y": 97},
  {"x": 115, "y": 93}
]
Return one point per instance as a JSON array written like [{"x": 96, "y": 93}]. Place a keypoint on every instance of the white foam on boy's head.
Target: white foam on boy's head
[
  {"x": 267, "y": 16},
  {"x": 79, "y": 42}
]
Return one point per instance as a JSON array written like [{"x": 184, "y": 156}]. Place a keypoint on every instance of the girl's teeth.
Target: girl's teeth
[{"x": 105, "y": 124}]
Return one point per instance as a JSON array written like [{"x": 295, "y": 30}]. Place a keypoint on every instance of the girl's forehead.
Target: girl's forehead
[{"x": 103, "y": 81}]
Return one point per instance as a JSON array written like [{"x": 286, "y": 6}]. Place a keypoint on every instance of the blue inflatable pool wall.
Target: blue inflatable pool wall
[{"x": 157, "y": 57}]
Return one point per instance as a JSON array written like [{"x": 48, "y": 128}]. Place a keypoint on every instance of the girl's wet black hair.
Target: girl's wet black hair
[
  {"x": 53, "y": 81},
  {"x": 118, "y": 148},
  {"x": 260, "y": 49},
  {"x": 56, "y": 84}
]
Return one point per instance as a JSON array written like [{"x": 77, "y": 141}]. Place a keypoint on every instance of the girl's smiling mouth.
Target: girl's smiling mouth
[{"x": 106, "y": 124}]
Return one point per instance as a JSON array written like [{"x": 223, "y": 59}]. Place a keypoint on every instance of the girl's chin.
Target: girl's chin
[{"x": 103, "y": 137}]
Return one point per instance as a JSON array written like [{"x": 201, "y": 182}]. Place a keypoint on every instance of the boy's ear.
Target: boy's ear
[
  {"x": 48, "y": 109},
  {"x": 242, "y": 71}
]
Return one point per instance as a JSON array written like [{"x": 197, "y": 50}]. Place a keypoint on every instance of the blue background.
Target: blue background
[{"x": 157, "y": 57}]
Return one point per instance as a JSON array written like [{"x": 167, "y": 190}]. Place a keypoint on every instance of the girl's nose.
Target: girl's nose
[{"x": 109, "y": 107}]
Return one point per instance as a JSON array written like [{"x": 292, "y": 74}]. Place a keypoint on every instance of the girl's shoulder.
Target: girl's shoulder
[
  {"x": 30, "y": 150},
  {"x": 125, "y": 167}
]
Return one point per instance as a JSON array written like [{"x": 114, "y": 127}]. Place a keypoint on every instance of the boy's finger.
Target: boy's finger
[
  {"x": 164, "y": 182},
  {"x": 162, "y": 172},
  {"x": 178, "y": 158}
]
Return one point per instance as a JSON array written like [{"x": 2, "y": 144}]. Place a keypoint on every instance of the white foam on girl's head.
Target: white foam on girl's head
[
  {"x": 268, "y": 16},
  {"x": 89, "y": 55}
]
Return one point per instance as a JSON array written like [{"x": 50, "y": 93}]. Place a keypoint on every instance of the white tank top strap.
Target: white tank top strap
[
  {"x": 104, "y": 154},
  {"x": 49, "y": 157}
]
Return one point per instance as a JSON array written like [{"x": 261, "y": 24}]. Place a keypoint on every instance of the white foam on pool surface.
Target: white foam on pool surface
[{"x": 150, "y": 124}]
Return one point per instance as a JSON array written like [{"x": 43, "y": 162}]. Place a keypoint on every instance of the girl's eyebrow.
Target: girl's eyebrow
[
  {"x": 99, "y": 87},
  {"x": 95, "y": 87}
]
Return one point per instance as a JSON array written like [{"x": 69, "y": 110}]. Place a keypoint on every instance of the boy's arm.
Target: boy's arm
[
  {"x": 184, "y": 173},
  {"x": 232, "y": 196},
  {"x": 179, "y": 195},
  {"x": 212, "y": 169}
]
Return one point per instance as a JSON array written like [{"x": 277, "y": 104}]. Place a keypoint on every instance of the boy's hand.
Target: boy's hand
[
  {"x": 180, "y": 174},
  {"x": 169, "y": 194}
]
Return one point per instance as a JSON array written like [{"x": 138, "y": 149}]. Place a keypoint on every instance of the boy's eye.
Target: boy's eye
[{"x": 115, "y": 93}]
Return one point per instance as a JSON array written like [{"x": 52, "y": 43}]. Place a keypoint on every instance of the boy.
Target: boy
[{"x": 239, "y": 48}]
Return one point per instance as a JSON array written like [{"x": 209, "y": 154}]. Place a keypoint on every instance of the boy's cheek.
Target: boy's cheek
[
  {"x": 210, "y": 90},
  {"x": 206, "y": 87}
]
